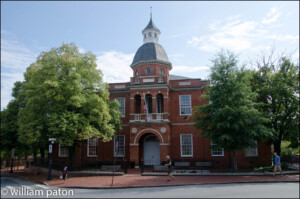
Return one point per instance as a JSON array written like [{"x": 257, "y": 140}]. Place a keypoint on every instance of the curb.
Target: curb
[{"x": 174, "y": 185}]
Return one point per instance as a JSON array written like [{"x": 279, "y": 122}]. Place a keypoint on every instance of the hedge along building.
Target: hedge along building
[{"x": 155, "y": 106}]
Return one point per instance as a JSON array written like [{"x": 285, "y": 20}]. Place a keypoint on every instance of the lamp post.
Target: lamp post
[{"x": 51, "y": 140}]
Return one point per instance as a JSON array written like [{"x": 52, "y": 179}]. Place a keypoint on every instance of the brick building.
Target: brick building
[{"x": 155, "y": 106}]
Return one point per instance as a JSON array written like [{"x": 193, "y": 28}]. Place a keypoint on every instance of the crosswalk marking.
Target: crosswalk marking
[
  {"x": 10, "y": 187},
  {"x": 42, "y": 186},
  {"x": 27, "y": 187}
]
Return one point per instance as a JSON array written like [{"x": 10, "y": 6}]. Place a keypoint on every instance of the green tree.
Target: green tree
[
  {"x": 9, "y": 125},
  {"x": 231, "y": 119},
  {"x": 277, "y": 83},
  {"x": 66, "y": 99}
]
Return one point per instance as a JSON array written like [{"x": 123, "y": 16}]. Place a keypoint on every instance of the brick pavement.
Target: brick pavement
[{"x": 136, "y": 180}]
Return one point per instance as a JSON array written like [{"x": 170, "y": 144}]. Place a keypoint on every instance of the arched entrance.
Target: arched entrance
[{"x": 150, "y": 149}]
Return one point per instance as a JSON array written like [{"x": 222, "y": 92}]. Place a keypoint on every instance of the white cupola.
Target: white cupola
[{"x": 151, "y": 32}]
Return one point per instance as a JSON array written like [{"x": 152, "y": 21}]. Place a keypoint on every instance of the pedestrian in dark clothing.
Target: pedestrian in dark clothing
[
  {"x": 64, "y": 173},
  {"x": 169, "y": 164}
]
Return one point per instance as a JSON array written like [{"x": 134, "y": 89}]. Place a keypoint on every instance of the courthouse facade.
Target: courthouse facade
[{"x": 155, "y": 107}]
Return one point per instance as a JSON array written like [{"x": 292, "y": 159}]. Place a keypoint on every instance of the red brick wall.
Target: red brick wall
[{"x": 179, "y": 125}]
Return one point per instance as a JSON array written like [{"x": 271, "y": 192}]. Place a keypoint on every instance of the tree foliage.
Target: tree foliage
[
  {"x": 9, "y": 124},
  {"x": 66, "y": 99},
  {"x": 232, "y": 119},
  {"x": 277, "y": 83}
]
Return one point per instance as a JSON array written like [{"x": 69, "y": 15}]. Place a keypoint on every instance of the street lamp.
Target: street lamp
[{"x": 51, "y": 140}]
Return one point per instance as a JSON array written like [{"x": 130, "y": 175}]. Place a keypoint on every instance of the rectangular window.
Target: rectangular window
[
  {"x": 92, "y": 147},
  {"x": 121, "y": 100},
  {"x": 119, "y": 146},
  {"x": 251, "y": 151},
  {"x": 185, "y": 104},
  {"x": 216, "y": 152},
  {"x": 63, "y": 151},
  {"x": 186, "y": 145}
]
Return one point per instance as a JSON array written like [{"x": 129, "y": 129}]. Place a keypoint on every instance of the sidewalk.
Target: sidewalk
[{"x": 136, "y": 180}]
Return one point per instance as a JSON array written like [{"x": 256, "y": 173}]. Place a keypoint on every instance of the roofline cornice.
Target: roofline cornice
[
  {"x": 149, "y": 86},
  {"x": 151, "y": 62}
]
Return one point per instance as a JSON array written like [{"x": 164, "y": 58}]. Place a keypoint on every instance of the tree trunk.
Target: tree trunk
[
  {"x": 34, "y": 156},
  {"x": 234, "y": 161},
  {"x": 42, "y": 150},
  {"x": 277, "y": 147}
]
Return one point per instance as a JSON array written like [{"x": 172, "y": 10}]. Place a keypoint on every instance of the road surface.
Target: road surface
[{"x": 16, "y": 188}]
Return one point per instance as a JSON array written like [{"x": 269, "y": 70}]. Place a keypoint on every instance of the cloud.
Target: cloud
[
  {"x": 237, "y": 34},
  {"x": 115, "y": 66},
  {"x": 191, "y": 71},
  {"x": 15, "y": 58},
  {"x": 182, "y": 68},
  {"x": 233, "y": 34},
  {"x": 272, "y": 16}
]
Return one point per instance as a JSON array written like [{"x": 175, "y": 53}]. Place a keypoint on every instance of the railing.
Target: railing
[{"x": 150, "y": 117}]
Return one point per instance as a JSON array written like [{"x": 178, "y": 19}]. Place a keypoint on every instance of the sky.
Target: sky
[{"x": 191, "y": 33}]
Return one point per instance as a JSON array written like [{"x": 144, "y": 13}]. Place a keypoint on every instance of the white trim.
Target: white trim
[
  {"x": 180, "y": 104},
  {"x": 191, "y": 146},
  {"x": 211, "y": 143},
  {"x": 133, "y": 144},
  {"x": 179, "y": 124},
  {"x": 119, "y": 145},
  {"x": 148, "y": 80},
  {"x": 59, "y": 153},
  {"x": 162, "y": 139},
  {"x": 124, "y": 105},
  {"x": 88, "y": 148}
]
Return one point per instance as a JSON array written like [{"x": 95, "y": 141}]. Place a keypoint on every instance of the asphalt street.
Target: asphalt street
[{"x": 16, "y": 188}]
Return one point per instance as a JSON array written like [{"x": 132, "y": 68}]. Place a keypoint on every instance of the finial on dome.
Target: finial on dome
[{"x": 151, "y": 13}]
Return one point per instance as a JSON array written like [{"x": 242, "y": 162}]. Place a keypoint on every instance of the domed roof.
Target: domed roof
[{"x": 150, "y": 52}]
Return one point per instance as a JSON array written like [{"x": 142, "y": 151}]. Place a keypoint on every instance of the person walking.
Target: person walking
[
  {"x": 64, "y": 173},
  {"x": 277, "y": 164},
  {"x": 169, "y": 164}
]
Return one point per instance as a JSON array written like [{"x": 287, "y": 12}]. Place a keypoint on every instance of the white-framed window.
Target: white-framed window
[
  {"x": 185, "y": 104},
  {"x": 149, "y": 34},
  {"x": 144, "y": 35},
  {"x": 186, "y": 145},
  {"x": 136, "y": 72},
  {"x": 119, "y": 146},
  {"x": 63, "y": 151},
  {"x": 92, "y": 147},
  {"x": 251, "y": 151},
  {"x": 121, "y": 100},
  {"x": 155, "y": 34},
  {"x": 216, "y": 152}
]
